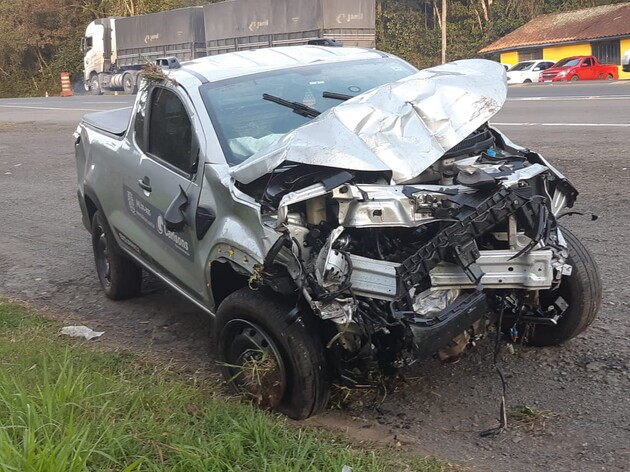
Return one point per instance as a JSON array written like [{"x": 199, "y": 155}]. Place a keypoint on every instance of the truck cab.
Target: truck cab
[{"x": 97, "y": 48}]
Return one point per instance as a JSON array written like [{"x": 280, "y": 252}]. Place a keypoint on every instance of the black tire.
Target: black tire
[
  {"x": 582, "y": 290},
  {"x": 527, "y": 81},
  {"x": 120, "y": 277},
  {"x": 254, "y": 325},
  {"x": 129, "y": 84},
  {"x": 609, "y": 77},
  {"x": 575, "y": 78},
  {"x": 95, "y": 85}
]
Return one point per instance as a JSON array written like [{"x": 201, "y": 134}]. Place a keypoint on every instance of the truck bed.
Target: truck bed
[{"x": 112, "y": 121}]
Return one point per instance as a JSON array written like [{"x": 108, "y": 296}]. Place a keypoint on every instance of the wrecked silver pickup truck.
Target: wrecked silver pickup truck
[{"x": 340, "y": 213}]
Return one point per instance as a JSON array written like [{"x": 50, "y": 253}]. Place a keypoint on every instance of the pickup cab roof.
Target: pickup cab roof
[{"x": 237, "y": 64}]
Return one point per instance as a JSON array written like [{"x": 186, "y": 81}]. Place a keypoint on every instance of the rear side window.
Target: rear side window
[{"x": 170, "y": 131}]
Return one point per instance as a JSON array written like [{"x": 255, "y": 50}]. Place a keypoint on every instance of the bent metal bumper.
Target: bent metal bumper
[{"x": 501, "y": 269}]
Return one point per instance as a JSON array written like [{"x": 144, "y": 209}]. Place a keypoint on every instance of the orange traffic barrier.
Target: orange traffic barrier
[{"x": 66, "y": 86}]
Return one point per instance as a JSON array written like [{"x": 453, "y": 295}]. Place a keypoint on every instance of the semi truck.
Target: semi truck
[{"x": 116, "y": 48}]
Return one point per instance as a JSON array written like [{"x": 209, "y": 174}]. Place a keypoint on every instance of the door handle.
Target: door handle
[{"x": 145, "y": 184}]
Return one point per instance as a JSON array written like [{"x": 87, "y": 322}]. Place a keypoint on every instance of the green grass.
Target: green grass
[{"x": 67, "y": 407}]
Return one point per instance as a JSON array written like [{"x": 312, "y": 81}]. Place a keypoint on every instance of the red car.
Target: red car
[{"x": 579, "y": 68}]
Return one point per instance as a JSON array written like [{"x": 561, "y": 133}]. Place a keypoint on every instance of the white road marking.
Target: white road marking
[
  {"x": 590, "y": 125},
  {"x": 50, "y": 108},
  {"x": 576, "y": 97}
]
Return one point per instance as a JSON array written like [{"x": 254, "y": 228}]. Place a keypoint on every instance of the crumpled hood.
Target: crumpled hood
[{"x": 402, "y": 127}]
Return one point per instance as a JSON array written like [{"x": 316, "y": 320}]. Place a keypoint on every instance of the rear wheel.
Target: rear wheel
[
  {"x": 129, "y": 84},
  {"x": 527, "y": 81},
  {"x": 582, "y": 290},
  {"x": 278, "y": 361},
  {"x": 119, "y": 277},
  {"x": 609, "y": 77}
]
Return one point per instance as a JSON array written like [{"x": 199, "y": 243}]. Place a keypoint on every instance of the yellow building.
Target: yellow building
[{"x": 603, "y": 32}]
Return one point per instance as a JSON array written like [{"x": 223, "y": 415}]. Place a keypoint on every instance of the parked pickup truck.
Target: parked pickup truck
[
  {"x": 338, "y": 211},
  {"x": 579, "y": 68}
]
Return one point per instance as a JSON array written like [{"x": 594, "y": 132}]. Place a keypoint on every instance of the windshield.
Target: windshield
[
  {"x": 521, "y": 66},
  {"x": 246, "y": 123},
  {"x": 569, "y": 62}
]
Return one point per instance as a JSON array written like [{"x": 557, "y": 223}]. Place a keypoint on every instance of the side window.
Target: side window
[
  {"x": 170, "y": 131},
  {"x": 138, "y": 126},
  {"x": 588, "y": 62}
]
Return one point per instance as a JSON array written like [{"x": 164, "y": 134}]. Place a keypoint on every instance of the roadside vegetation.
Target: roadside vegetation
[
  {"x": 68, "y": 406},
  {"x": 40, "y": 38}
]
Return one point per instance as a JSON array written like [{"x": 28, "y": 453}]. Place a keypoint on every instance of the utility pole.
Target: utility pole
[{"x": 443, "y": 31}]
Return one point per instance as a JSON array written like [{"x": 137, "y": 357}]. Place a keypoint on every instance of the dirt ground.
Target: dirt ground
[{"x": 577, "y": 395}]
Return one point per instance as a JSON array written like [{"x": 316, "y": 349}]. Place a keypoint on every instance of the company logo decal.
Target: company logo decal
[
  {"x": 151, "y": 37},
  {"x": 349, "y": 17},
  {"x": 153, "y": 220}
]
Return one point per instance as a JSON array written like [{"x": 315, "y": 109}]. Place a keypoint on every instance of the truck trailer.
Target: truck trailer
[
  {"x": 259, "y": 24},
  {"x": 116, "y": 48}
]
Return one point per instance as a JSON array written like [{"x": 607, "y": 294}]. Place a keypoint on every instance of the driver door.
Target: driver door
[{"x": 167, "y": 183}]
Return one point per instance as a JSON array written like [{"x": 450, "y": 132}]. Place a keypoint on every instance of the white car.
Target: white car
[{"x": 526, "y": 72}]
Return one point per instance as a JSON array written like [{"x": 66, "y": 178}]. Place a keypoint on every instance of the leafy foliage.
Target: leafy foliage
[{"x": 40, "y": 38}]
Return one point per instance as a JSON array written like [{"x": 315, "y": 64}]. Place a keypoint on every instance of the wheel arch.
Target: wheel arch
[
  {"x": 92, "y": 205},
  {"x": 231, "y": 276}
]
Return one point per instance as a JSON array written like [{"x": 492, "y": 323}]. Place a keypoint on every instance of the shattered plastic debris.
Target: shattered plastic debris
[
  {"x": 346, "y": 468},
  {"x": 81, "y": 332}
]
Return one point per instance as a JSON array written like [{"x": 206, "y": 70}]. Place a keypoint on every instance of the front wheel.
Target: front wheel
[
  {"x": 575, "y": 78},
  {"x": 609, "y": 77},
  {"x": 95, "y": 85},
  {"x": 120, "y": 278},
  {"x": 278, "y": 361},
  {"x": 582, "y": 291}
]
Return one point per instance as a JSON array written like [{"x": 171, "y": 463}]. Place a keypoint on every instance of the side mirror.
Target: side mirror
[{"x": 174, "y": 218}]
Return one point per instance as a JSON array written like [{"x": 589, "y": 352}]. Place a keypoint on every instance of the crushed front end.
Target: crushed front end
[
  {"x": 407, "y": 270},
  {"x": 408, "y": 224}
]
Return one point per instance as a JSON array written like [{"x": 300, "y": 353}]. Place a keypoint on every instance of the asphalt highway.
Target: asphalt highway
[
  {"x": 583, "y": 105},
  {"x": 587, "y": 105}
]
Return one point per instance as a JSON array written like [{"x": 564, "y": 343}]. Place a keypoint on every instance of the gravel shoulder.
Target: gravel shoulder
[{"x": 580, "y": 390}]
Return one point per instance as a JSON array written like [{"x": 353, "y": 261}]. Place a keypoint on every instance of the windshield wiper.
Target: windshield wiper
[
  {"x": 297, "y": 107},
  {"x": 337, "y": 96}
]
